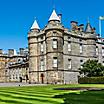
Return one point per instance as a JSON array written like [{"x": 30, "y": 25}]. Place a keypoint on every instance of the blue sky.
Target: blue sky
[{"x": 17, "y": 16}]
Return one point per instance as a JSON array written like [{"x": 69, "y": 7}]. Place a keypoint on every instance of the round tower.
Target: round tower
[
  {"x": 32, "y": 44},
  {"x": 54, "y": 49},
  {"x": 91, "y": 42}
]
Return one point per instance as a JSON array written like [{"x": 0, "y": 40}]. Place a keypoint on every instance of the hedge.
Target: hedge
[{"x": 91, "y": 80}]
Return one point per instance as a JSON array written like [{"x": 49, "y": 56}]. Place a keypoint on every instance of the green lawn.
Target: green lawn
[{"x": 47, "y": 95}]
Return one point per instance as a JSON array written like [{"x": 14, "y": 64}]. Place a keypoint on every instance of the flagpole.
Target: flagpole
[{"x": 100, "y": 27}]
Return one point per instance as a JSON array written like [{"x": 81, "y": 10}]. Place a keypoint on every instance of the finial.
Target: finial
[
  {"x": 34, "y": 18},
  {"x": 53, "y": 6},
  {"x": 53, "y": 3},
  {"x": 88, "y": 20}
]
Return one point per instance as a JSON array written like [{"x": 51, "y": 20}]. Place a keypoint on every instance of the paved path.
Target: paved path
[{"x": 19, "y": 84}]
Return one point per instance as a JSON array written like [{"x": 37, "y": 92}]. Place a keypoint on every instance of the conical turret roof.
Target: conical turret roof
[
  {"x": 54, "y": 16},
  {"x": 88, "y": 27},
  {"x": 35, "y": 25}
]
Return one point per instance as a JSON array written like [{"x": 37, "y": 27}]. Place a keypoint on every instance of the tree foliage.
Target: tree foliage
[{"x": 92, "y": 68}]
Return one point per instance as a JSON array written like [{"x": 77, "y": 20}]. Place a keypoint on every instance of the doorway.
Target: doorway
[{"x": 42, "y": 78}]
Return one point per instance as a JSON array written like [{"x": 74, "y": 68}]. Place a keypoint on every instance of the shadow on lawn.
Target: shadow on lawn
[{"x": 84, "y": 97}]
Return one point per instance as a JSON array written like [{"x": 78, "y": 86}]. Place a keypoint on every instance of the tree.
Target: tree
[{"x": 92, "y": 68}]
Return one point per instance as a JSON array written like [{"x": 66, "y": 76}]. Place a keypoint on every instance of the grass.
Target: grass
[{"x": 47, "y": 95}]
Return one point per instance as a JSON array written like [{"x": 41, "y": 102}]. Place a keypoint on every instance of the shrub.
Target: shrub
[{"x": 91, "y": 80}]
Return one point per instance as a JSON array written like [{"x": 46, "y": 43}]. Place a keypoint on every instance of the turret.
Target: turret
[
  {"x": 35, "y": 26},
  {"x": 33, "y": 45},
  {"x": 88, "y": 28},
  {"x": 54, "y": 17},
  {"x": 54, "y": 39},
  {"x": 91, "y": 41}
]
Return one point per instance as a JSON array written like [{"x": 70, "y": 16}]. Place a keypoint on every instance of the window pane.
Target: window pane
[
  {"x": 42, "y": 65},
  {"x": 55, "y": 43},
  {"x": 81, "y": 62},
  {"x": 102, "y": 51},
  {"x": 69, "y": 46},
  {"x": 41, "y": 48},
  {"x": 55, "y": 62},
  {"x": 69, "y": 63},
  {"x": 97, "y": 51},
  {"x": 81, "y": 48}
]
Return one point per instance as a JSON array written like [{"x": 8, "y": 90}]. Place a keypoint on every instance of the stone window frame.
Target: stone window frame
[
  {"x": 42, "y": 64},
  {"x": 102, "y": 51},
  {"x": 55, "y": 62},
  {"x": 54, "y": 43},
  {"x": 69, "y": 46},
  {"x": 69, "y": 64},
  {"x": 80, "y": 40},
  {"x": 97, "y": 50},
  {"x": 81, "y": 48},
  {"x": 81, "y": 62},
  {"x": 41, "y": 37},
  {"x": 41, "y": 47},
  {"x": 69, "y": 38}
]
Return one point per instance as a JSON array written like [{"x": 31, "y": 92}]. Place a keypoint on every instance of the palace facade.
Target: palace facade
[
  {"x": 14, "y": 66},
  {"x": 56, "y": 53}
]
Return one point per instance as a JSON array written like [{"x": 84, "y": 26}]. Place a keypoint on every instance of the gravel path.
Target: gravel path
[{"x": 19, "y": 84}]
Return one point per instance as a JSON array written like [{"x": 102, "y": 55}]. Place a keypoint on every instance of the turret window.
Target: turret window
[
  {"x": 54, "y": 33},
  {"x": 81, "y": 62},
  {"x": 69, "y": 46},
  {"x": 69, "y": 38},
  {"x": 69, "y": 63},
  {"x": 54, "y": 44},
  {"x": 102, "y": 51},
  {"x": 81, "y": 49},
  {"x": 80, "y": 40},
  {"x": 41, "y": 47},
  {"x": 97, "y": 52},
  {"x": 42, "y": 65},
  {"x": 55, "y": 62}
]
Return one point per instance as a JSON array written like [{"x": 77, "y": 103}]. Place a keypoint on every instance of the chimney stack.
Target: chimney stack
[
  {"x": 74, "y": 25},
  {"x": 21, "y": 51},
  {"x": 81, "y": 27},
  {"x": 10, "y": 52},
  {"x": 1, "y": 51}
]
